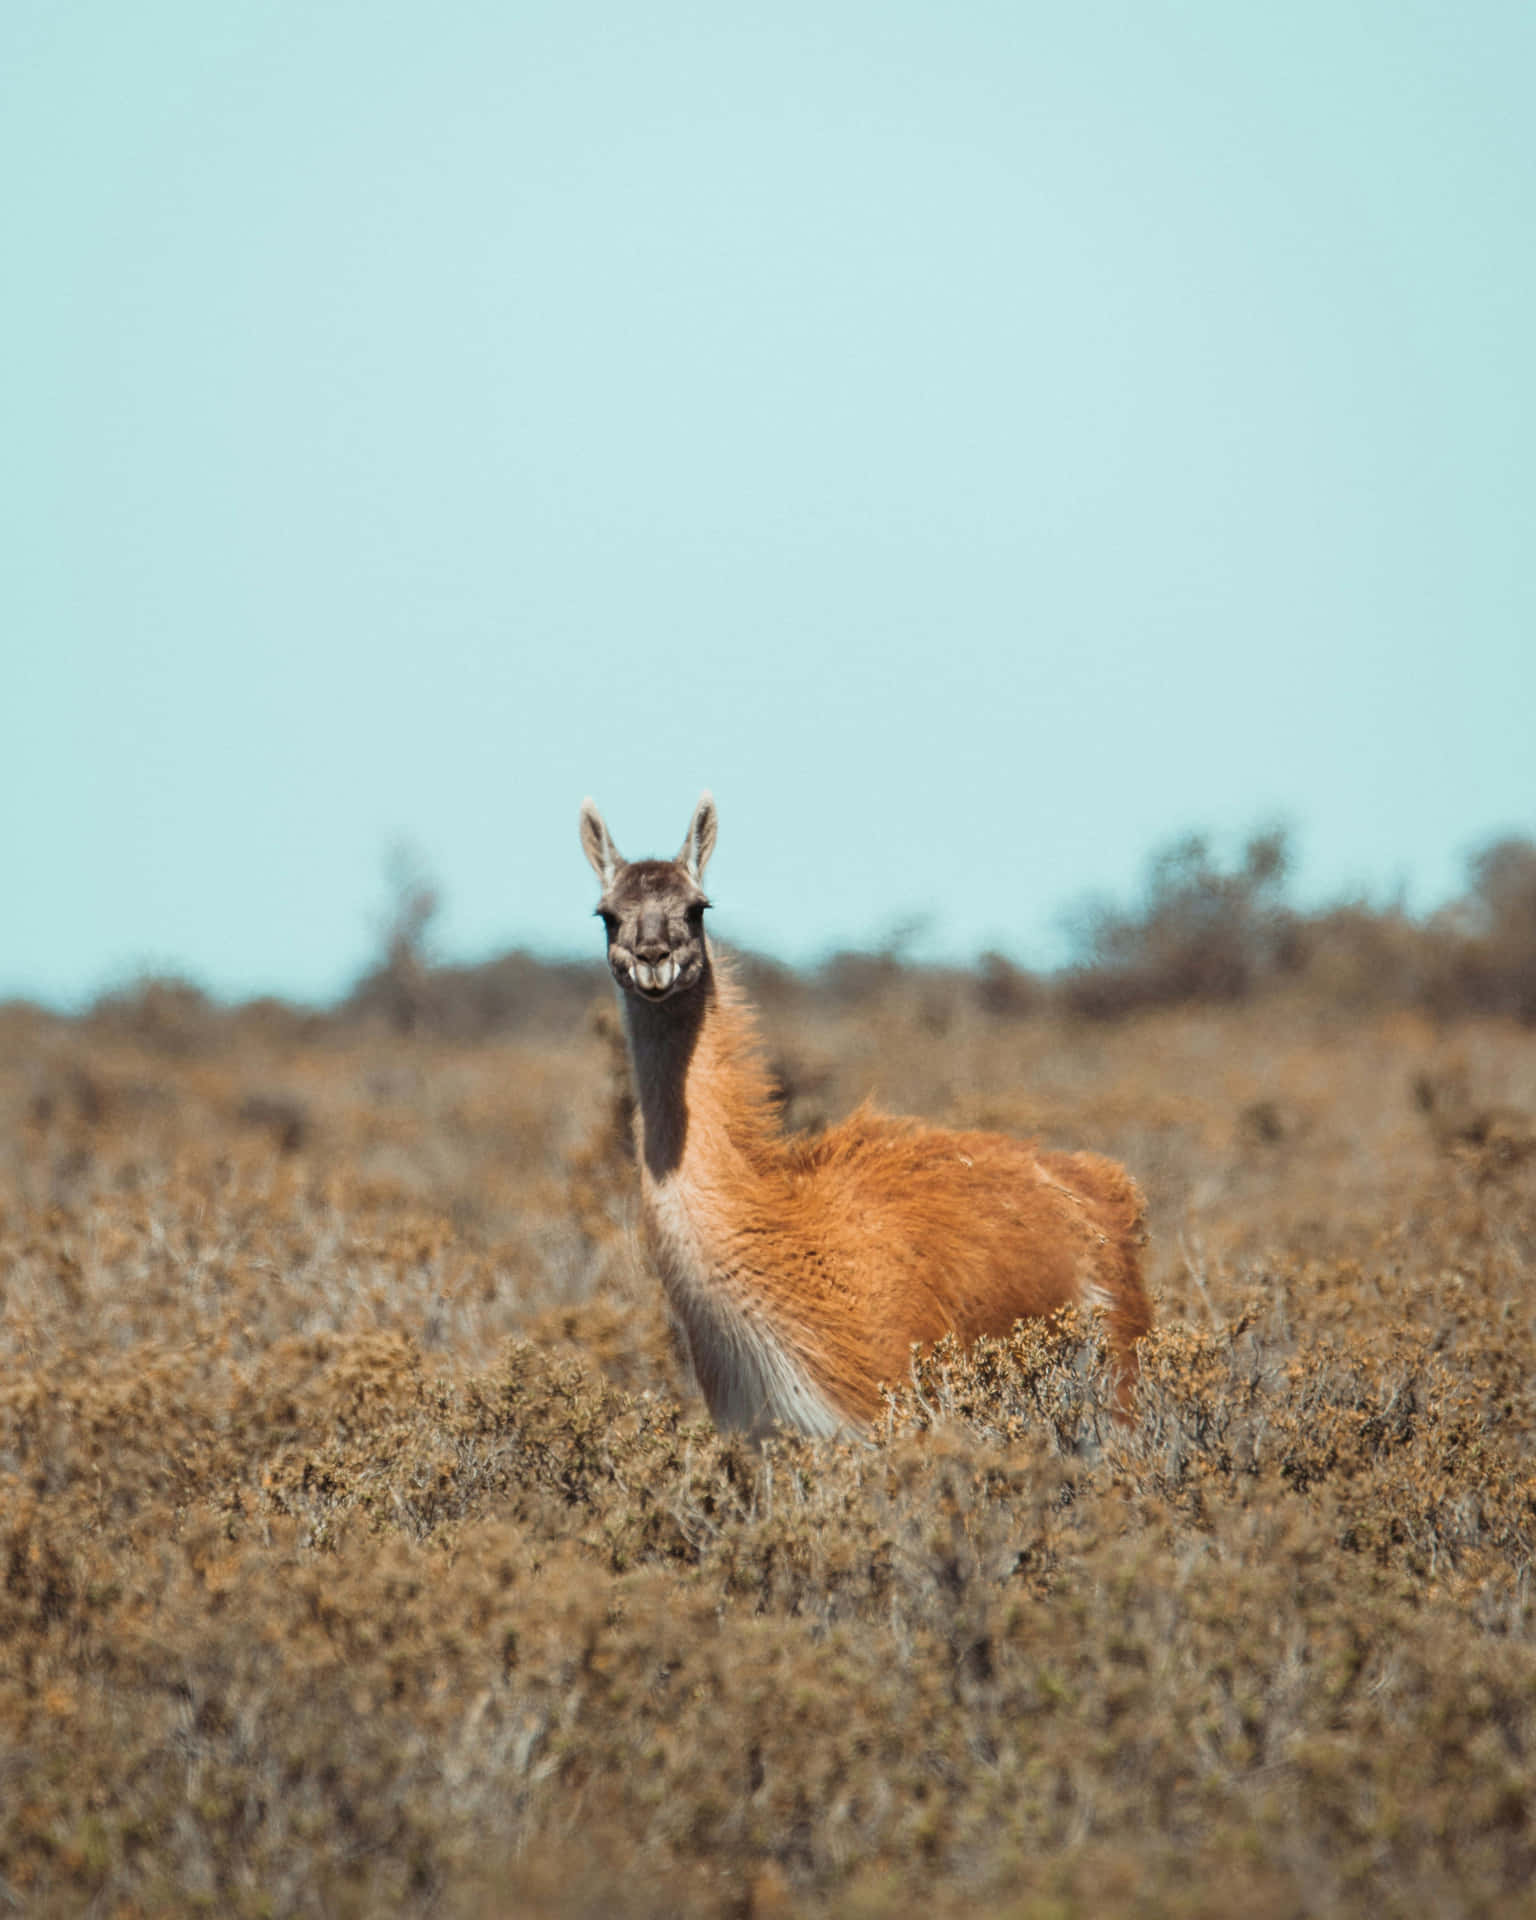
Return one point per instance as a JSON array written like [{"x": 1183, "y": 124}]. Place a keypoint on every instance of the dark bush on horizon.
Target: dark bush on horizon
[
  {"x": 1483, "y": 957},
  {"x": 161, "y": 1012},
  {"x": 409, "y": 992},
  {"x": 1199, "y": 933},
  {"x": 512, "y": 992},
  {"x": 1202, "y": 934}
]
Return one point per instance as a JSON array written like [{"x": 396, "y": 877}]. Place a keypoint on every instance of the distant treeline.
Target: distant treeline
[
  {"x": 1202, "y": 933},
  {"x": 1199, "y": 932}
]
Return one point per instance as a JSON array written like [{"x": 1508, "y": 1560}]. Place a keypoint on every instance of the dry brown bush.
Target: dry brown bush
[
  {"x": 364, "y": 1549},
  {"x": 1202, "y": 933},
  {"x": 1198, "y": 934}
]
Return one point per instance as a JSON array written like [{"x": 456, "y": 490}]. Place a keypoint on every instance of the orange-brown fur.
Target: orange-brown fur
[
  {"x": 883, "y": 1231},
  {"x": 803, "y": 1270}
]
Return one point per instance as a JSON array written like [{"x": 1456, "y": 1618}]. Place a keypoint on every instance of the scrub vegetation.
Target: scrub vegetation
[{"x": 364, "y": 1547}]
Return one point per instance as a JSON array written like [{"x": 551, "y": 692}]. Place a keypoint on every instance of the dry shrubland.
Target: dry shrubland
[{"x": 366, "y": 1549}]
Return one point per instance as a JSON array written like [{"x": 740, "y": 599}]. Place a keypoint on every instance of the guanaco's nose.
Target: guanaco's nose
[{"x": 650, "y": 951}]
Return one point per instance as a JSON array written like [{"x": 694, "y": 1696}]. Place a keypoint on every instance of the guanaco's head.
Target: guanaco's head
[{"x": 653, "y": 909}]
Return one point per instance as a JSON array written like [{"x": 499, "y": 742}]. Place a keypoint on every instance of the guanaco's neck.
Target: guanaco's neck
[{"x": 702, "y": 1090}]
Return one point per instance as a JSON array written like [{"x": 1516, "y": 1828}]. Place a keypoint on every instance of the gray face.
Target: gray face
[
  {"x": 653, "y": 909},
  {"x": 654, "y": 913}
]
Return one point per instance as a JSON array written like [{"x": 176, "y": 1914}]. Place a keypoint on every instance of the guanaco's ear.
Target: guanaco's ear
[
  {"x": 597, "y": 845},
  {"x": 700, "y": 843}
]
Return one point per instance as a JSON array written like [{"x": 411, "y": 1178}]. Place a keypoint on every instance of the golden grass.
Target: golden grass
[{"x": 366, "y": 1551}]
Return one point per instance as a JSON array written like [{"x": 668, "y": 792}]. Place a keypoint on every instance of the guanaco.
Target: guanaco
[{"x": 803, "y": 1269}]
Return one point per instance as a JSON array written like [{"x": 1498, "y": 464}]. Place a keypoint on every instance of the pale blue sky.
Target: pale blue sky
[{"x": 978, "y": 441}]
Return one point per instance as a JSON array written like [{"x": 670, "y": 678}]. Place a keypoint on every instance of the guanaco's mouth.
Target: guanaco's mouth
[
  {"x": 656, "y": 977},
  {"x": 659, "y": 979},
  {"x": 654, "y": 980}
]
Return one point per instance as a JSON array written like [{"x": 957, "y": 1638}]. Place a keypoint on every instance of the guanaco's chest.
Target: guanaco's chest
[{"x": 748, "y": 1371}]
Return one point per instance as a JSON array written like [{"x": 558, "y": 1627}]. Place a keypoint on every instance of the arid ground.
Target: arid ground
[{"x": 366, "y": 1549}]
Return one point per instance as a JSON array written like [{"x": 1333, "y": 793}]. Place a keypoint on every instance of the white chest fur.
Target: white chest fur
[{"x": 748, "y": 1373}]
